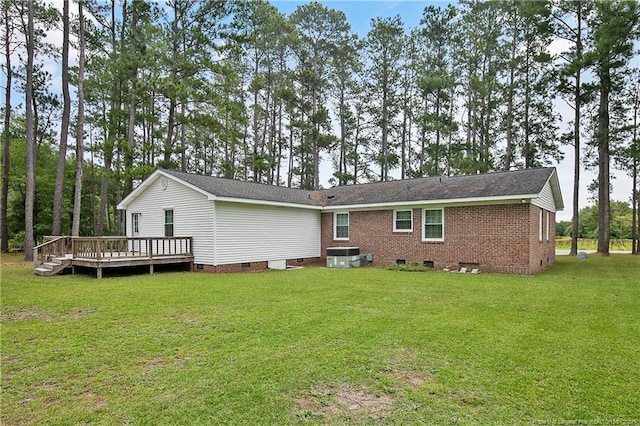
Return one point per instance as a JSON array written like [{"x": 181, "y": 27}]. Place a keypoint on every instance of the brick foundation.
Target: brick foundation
[
  {"x": 254, "y": 266},
  {"x": 498, "y": 238}
]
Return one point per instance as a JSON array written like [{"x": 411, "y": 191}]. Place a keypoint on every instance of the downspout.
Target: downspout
[{"x": 215, "y": 236}]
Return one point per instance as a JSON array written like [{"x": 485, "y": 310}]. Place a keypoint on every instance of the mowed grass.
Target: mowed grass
[{"x": 323, "y": 346}]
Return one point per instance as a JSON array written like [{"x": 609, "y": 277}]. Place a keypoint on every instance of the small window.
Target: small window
[
  {"x": 341, "y": 226},
  {"x": 433, "y": 225},
  {"x": 540, "y": 226},
  {"x": 403, "y": 220},
  {"x": 548, "y": 225},
  {"x": 168, "y": 223}
]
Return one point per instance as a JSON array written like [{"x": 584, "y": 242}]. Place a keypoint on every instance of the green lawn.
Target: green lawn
[{"x": 318, "y": 346}]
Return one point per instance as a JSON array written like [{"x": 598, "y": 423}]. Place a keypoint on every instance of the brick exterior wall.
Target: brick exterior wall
[
  {"x": 498, "y": 238},
  {"x": 543, "y": 253}
]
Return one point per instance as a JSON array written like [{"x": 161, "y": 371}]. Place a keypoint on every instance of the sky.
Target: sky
[{"x": 359, "y": 14}]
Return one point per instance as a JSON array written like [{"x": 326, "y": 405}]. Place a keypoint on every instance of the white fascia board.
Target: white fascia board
[
  {"x": 266, "y": 203},
  {"x": 555, "y": 189},
  {"x": 506, "y": 199},
  {"x": 122, "y": 205}
]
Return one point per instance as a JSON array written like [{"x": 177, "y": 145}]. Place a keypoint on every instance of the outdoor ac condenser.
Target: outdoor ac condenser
[{"x": 343, "y": 257}]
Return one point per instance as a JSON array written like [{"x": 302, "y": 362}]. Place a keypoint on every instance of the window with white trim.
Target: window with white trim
[
  {"x": 402, "y": 220},
  {"x": 135, "y": 224},
  {"x": 168, "y": 223},
  {"x": 433, "y": 225},
  {"x": 548, "y": 225},
  {"x": 540, "y": 226},
  {"x": 341, "y": 226}
]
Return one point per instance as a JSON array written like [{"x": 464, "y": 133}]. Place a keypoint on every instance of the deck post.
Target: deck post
[
  {"x": 99, "y": 272},
  {"x": 151, "y": 269}
]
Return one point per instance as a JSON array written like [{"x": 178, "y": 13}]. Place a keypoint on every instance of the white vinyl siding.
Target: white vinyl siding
[
  {"x": 403, "y": 220},
  {"x": 433, "y": 225},
  {"x": 254, "y": 233},
  {"x": 545, "y": 199},
  {"x": 340, "y": 226},
  {"x": 193, "y": 216}
]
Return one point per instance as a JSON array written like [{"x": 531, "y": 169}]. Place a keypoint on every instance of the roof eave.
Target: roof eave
[
  {"x": 268, "y": 203},
  {"x": 506, "y": 199},
  {"x": 555, "y": 189}
]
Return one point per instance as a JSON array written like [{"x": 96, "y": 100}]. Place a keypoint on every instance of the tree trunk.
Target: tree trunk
[
  {"x": 133, "y": 100},
  {"x": 64, "y": 128},
  {"x": 635, "y": 196},
  {"x": 77, "y": 199},
  {"x": 575, "y": 221},
  {"x": 6, "y": 136},
  {"x": 604, "y": 211},
  {"x": 30, "y": 188}
]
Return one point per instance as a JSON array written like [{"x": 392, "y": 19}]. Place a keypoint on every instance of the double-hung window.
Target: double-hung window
[
  {"x": 548, "y": 226},
  {"x": 540, "y": 227},
  {"x": 168, "y": 223},
  {"x": 433, "y": 225},
  {"x": 402, "y": 220},
  {"x": 341, "y": 226}
]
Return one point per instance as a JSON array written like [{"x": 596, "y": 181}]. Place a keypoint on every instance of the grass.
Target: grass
[
  {"x": 318, "y": 346},
  {"x": 564, "y": 243}
]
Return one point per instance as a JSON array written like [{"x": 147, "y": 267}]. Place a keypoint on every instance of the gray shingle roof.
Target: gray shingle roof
[
  {"x": 245, "y": 190},
  {"x": 489, "y": 185}
]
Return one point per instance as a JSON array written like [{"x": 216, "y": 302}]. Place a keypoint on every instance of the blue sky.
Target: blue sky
[{"x": 360, "y": 13}]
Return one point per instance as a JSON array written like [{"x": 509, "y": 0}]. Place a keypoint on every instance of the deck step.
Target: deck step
[
  {"x": 55, "y": 266},
  {"x": 45, "y": 272}
]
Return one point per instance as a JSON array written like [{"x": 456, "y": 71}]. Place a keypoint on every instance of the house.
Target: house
[{"x": 500, "y": 222}]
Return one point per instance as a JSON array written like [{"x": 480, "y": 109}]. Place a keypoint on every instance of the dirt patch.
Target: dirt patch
[
  {"x": 346, "y": 403},
  {"x": 11, "y": 314},
  {"x": 152, "y": 365},
  {"x": 411, "y": 378},
  {"x": 95, "y": 400}
]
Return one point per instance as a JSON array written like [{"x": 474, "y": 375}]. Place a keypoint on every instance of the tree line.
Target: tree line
[
  {"x": 621, "y": 222},
  {"x": 239, "y": 90}
]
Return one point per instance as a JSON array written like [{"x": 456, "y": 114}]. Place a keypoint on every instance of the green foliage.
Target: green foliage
[
  {"x": 621, "y": 222},
  {"x": 240, "y": 90},
  {"x": 282, "y": 347}
]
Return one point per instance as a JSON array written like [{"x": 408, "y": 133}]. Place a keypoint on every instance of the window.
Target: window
[
  {"x": 548, "y": 225},
  {"x": 540, "y": 226},
  {"x": 135, "y": 224},
  {"x": 341, "y": 226},
  {"x": 403, "y": 220},
  {"x": 168, "y": 223},
  {"x": 433, "y": 223}
]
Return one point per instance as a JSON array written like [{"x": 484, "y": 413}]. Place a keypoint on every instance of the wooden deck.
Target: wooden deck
[{"x": 57, "y": 254}]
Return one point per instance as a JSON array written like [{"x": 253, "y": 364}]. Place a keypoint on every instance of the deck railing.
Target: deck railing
[
  {"x": 137, "y": 247},
  {"x": 98, "y": 248},
  {"x": 52, "y": 246}
]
